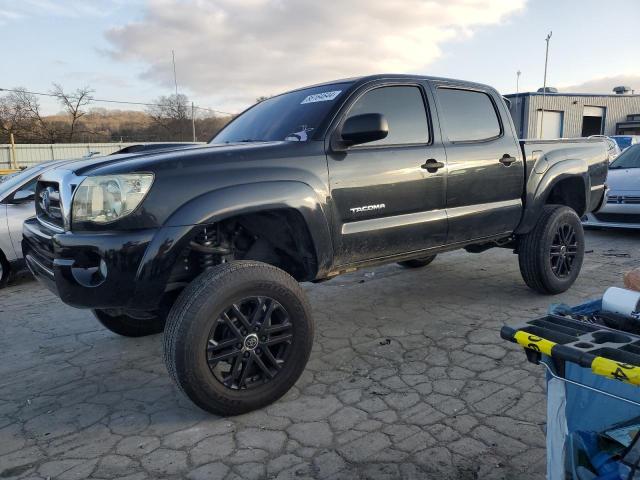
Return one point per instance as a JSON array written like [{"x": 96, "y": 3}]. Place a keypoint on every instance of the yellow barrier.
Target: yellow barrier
[{"x": 8, "y": 171}]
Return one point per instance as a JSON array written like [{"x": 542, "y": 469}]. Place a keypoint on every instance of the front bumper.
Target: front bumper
[
  {"x": 614, "y": 215},
  {"x": 92, "y": 270}
]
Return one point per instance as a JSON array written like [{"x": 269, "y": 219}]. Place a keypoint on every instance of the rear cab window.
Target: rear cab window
[
  {"x": 405, "y": 112},
  {"x": 467, "y": 115}
]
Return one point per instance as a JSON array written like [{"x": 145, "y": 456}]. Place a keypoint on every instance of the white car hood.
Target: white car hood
[{"x": 624, "y": 180}]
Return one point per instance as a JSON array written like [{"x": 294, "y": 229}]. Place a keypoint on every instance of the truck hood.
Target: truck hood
[
  {"x": 624, "y": 180},
  {"x": 142, "y": 160},
  {"x": 79, "y": 165}
]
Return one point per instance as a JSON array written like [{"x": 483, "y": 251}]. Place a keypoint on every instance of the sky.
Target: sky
[{"x": 229, "y": 52}]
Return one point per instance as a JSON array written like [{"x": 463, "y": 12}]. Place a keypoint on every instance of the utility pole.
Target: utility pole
[
  {"x": 544, "y": 85},
  {"x": 517, "y": 115},
  {"x": 14, "y": 157},
  {"x": 178, "y": 103},
  {"x": 193, "y": 121},
  {"x": 175, "y": 78}
]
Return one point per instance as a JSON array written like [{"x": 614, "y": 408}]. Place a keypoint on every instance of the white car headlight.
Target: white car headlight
[{"x": 104, "y": 199}]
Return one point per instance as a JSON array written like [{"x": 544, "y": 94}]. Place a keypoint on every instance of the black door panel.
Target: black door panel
[
  {"x": 485, "y": 167},
  {"x": 385, "y": 203}
]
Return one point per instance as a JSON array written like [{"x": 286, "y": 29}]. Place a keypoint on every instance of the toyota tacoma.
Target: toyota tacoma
[{"x": 209, "y": 243}]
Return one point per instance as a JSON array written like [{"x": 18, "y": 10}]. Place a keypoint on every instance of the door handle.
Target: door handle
[
  {"x": 507, "y": 159},
  {"x": 432, "y": 165}
]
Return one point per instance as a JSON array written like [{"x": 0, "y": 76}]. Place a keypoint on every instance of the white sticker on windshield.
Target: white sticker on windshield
[{"x": 321, "y": 97}]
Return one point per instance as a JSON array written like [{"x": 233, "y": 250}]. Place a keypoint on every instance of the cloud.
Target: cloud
[
  {"x": 241, "y": 49},
  {"x": 605, "y": 84},
  {"x": 6, "y": 16},
  {"x": 61, "y": 9}
]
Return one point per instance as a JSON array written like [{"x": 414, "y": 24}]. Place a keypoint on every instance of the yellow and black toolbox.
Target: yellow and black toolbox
[{"x": 606, "y": 351}]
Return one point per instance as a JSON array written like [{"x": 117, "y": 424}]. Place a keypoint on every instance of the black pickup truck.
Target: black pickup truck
[{"x": 212, "y": 240}]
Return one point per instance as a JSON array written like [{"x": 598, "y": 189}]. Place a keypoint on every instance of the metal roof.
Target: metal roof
[{"x": 565, "y": 94}]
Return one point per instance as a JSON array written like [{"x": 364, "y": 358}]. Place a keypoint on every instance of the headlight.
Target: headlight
[{"x": 104, "y": 199}]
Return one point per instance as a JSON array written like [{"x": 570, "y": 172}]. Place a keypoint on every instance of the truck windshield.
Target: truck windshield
[
  {"x": 630, "y": 158},
  {"x": 292, "y": 116}
]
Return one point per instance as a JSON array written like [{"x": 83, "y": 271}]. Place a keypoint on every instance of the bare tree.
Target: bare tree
[
  {"x": 172, "y": 114},
  {"x": 15, "y": 117},
  {"x": 20, "y": 115},
  {"x": 73, "y": 104}
]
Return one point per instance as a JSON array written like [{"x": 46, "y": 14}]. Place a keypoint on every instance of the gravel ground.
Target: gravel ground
[{"x": 408, "y": 379}]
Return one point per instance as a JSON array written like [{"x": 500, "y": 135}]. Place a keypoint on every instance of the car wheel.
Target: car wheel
[
  {"x": 128, "y": 326},
  {"x": 417, "y": 262},
  {"x": 238, "y": 337},
  {"x": 551, "y": 255},
  {"x": 5, "y": 270}
]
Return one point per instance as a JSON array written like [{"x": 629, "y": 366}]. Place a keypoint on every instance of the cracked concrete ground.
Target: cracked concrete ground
[{"x": 408, "y": 379}]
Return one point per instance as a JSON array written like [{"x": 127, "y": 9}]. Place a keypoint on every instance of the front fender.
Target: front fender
[
  {"x": 227, "y": 202},
  {"x": 540, "y": 185}
]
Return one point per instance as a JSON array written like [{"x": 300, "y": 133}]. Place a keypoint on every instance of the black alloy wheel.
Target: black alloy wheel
[
  {"x": 238, "y": 337},
  {"x": 564, "y": 249},
  {"x": 551, "y": 254},
  {"x": 249, "y": 343}
]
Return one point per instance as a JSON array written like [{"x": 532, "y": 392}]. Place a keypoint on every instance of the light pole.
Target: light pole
[{"x": 544, "y": 85}]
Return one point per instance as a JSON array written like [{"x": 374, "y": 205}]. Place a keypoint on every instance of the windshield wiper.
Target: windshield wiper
[{"x": 245, "y": 140}]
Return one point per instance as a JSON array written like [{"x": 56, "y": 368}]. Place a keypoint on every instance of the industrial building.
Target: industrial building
[{"x": 571, "y": 115}]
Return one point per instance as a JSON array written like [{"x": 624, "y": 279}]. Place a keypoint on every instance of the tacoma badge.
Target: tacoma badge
[{"x": 368, "y": 208}]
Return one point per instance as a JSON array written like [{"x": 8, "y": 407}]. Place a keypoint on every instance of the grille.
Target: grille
[
  {"x": 48, "y": 205},
  {"x": 624, "y": 199},
  {"x": 618, "y": 217}
]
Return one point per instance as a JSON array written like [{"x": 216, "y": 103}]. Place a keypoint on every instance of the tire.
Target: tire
[
  {"x": 551, "y": 255},
  {"x": 128, "y": 326},
  {"x": 5, "y": 270},
  {"x": 417, "y": 262},
  {"x": 209, "y": 355}
]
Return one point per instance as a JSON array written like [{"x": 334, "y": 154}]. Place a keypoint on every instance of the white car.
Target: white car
[
  {"x": 17, "y": 194},
  {"x": 622, "y": 203}
]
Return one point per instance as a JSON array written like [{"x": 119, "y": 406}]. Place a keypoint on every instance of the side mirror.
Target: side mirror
[
  {"x": 22, "y": 196},
  {"x": 364, "y": 128}
]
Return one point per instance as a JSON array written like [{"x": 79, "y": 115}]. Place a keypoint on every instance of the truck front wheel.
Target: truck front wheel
[
  {"x": 551, "y": 255},
  {"x": 128, "y": 326},
  {"x": 238, "y": 337}
]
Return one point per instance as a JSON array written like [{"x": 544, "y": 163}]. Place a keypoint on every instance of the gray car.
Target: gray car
[
  {"x": 17, "y": 194},
  {"x": 622, "y": 207}
]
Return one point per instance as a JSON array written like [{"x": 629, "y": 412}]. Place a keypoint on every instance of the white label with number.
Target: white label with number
[{"x": 321, "y": 97}]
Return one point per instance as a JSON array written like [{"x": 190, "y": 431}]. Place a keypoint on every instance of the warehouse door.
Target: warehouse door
[
  {"x": 592, "y": 121},
  {"x": 551, "y": 125}
]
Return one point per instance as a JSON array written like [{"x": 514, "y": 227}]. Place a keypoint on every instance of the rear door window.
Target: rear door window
[{"x": 467, "y": 115}]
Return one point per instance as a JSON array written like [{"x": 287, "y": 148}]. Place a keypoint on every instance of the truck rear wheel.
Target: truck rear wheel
[
  {"x": 5, "y": 270},
  {"x": 128, "y": 326},
  {"x": 238, "y": 337},
  {"x": 417, "y": 262},
  {"x": 551, "y": 255}
]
